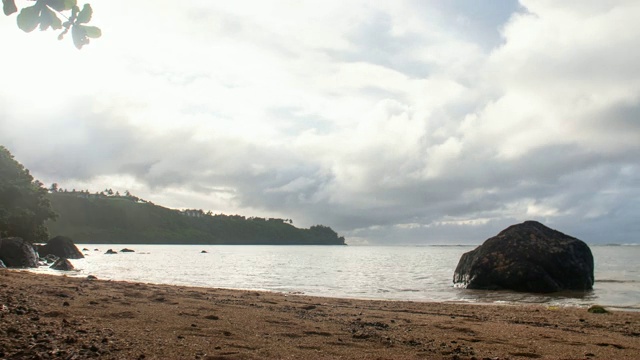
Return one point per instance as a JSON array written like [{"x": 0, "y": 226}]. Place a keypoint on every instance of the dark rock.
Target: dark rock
[
  {"x": 62, "y": 247},
  {"x": 92, "y": 277},
  {"x": 85, "y": 249},
  {"x": 127, "y": 250},
  {"x": 204, "y": 252},
  {"x": 527, "y": 257},
  {"x": 50, "y": 258},
  {"x": 62, "y": 264},
  {"x": 110, "y": 251},
  {"x": 17, "y": 253}
]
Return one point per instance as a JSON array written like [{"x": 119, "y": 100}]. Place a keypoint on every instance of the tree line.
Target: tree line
[
  {"x": 25, "y": 206},
  {"x": 55, "y": 189},
  {"x": 109, "y": 192}
]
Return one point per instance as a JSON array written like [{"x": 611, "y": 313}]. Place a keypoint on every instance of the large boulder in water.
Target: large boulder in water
[
  {"x": 527, "y": 257},
  {"x": 62, "y": 247},
  {"x": 17, "y": 253}
]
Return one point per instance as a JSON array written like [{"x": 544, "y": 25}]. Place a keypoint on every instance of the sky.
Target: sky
[{"x": 393, "y": 122}]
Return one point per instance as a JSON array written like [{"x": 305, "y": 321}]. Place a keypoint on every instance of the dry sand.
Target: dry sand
[{"x": 59, "y": 317}]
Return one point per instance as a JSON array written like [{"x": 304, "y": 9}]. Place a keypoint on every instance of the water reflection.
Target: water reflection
[{"x": 508, "y": 296}]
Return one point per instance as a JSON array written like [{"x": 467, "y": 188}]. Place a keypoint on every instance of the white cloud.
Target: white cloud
[{"x": 389, "y": 121}]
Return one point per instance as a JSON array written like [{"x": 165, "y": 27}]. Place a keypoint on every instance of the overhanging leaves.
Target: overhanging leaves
[
  {"x": 61, "y": 5},
  {"x": 9, "y": 7},
  {"x": 49, "y": 19},
  {"x": 29, "y": 18},
  {"x": 85, "y": 15},
  {"x": 92, "y": 31},
  {"x": 82, "y": 33},
  {"x": 45, "y": 14}
]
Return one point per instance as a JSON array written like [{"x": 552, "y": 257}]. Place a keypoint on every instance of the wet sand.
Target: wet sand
[{"x": 59, "y": 317}]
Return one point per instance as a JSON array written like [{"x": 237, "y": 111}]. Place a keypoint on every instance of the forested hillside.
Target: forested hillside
[{"x": 99, "y": 219}]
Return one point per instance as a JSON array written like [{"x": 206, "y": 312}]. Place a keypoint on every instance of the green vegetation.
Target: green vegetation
[
  {"x": 597, "y": 309},
  {"x": 24, "y": 205},
  {"x": 44, "y": 14},
  {"x": 106, "y": 217},
  {"x": 27, "y": 211}
]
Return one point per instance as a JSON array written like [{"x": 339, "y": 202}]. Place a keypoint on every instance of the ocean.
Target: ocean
[{"x": 412, "y": 273}]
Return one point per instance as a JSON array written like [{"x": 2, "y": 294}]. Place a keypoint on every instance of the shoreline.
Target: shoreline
[
  {"x": 478, "y": 301},
  {"x": 66, "y": 317},
  {"x": 79, "y": 275}
]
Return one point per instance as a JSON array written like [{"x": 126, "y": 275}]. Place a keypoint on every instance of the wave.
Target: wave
[
  {"x": 613, "y": 245},
  {"x": 617, "y": 281},
  {"x": 624, "y": 307},
  {"x": 450, "y": 245}
]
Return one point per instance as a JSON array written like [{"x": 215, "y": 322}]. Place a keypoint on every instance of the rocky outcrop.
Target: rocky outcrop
[
  {"x": 49, "y": 259},
  {"x": 527, "y": 257},
  {"x": 62, "y": 247},
  {"x": 17, "y": 253},
  {"x": 110, "y": 252},
  {"x": 62, "y": 264},
  {"x": 126, "y": 250}
]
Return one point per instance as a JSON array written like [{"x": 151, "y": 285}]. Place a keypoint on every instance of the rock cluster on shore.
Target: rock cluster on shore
[
  {"x": 60, "y": 246},
  {"x": 18, "y": 253}
]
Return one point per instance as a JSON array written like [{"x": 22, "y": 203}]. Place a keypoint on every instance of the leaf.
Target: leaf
[
  {"x": 45, "y": 19},
  {"x": 57, "y": 5},
  {"x": 62, "y": 34},
  {"x": 61, "y": 5},
  {"x": 92, "y": 31},
  {"x": 82, "y": 33},
  {"x": 29, "y": 18},
  {"x": 79, "y": 35},
  {"x": 49, "y": 19},
  {"x": 85, "y": 15},
  {"x": 9, "y": 7},
  {"x": 68, "y": 4}
]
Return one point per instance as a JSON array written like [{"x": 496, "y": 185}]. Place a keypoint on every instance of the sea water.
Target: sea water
[{"x": 414, "y": 273}]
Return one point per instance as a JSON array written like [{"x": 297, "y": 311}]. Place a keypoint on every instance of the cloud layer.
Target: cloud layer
[{"x": 415, "y": 122}]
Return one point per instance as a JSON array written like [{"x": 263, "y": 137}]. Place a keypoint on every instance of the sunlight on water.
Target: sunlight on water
[{"x": 416, "y": 273}]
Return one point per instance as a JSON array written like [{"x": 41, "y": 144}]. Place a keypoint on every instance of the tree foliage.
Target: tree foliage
[
  {"x": 44, "y": 14},
  {"x": 102, "y": 219},
  {"x": 24, "y": 205}
]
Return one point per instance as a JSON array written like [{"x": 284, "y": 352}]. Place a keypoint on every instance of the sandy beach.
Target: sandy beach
[{"x": 60, "y": 317}]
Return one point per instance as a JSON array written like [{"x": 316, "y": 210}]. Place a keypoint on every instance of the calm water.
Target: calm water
[{"x": 417, "y": 273}]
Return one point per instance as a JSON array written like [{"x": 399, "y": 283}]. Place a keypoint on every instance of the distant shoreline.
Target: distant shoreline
[{"x": 100, "y": 219}]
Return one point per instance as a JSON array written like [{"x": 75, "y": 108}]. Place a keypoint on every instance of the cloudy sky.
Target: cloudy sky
[{"x": 409, "y": 122}]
